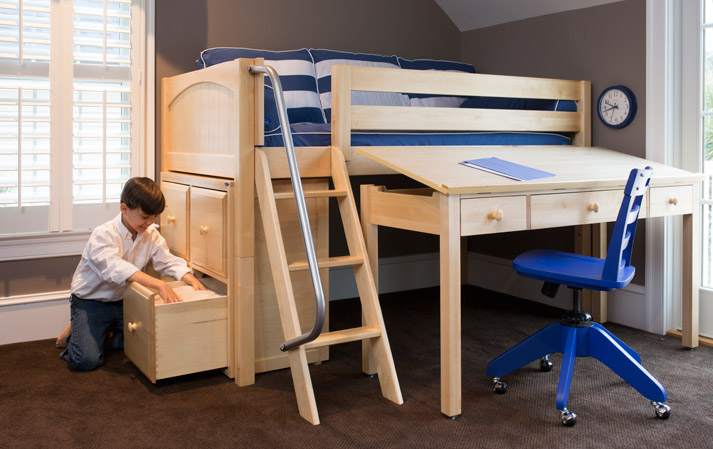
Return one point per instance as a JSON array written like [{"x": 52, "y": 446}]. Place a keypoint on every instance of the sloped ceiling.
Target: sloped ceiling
[{"x": 471, "y": 14}]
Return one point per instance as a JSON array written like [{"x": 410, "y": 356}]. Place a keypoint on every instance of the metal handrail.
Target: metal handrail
[{"x": 301, "y": 211}]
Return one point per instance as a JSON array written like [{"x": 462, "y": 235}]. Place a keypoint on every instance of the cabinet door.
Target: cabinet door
[
  {"x": 174, "y": 219},
  {"x": 208, "y": 217}
]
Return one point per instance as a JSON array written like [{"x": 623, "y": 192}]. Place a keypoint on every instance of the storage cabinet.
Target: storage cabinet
[{"x": 199, "y": 225}]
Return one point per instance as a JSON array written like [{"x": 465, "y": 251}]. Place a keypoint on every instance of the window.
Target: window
[
  {"x": 73, "y": 110},
  {"x": 706, "y": 114}
]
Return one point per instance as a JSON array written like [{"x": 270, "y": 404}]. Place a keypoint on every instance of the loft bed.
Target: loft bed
[
  {"x": 200, "y": 109},
  {"x": 214, "y": 120}
]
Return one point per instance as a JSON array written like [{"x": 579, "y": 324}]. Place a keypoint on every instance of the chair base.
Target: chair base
[{"x": 580, "y": 341}]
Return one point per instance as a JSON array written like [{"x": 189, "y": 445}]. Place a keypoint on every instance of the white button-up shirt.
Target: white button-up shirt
[{"x": 111, "y": 257}]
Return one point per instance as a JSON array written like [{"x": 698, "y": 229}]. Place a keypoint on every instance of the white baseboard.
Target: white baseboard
[
  {"x": 625, "y": 306},
  {"x": 33, "y": 317},
  {"x": 395, "y": 274},
  {"x": 502, "y": 278},
  {"x": 38, "y": 317}
]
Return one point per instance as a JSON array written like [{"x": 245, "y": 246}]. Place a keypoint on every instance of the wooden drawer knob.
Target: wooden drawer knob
[
  {"x": 203, "y": 230},
  {"x": 496, "y": 215},
  {"x": 593, "y": 207},
  {"x": 673, "y": 201},
  {"x": 171, "y": 219},
  {"x": 133, "y": 327}
]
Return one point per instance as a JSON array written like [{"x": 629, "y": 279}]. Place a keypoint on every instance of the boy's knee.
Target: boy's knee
[{"x": 82, "y": 361}]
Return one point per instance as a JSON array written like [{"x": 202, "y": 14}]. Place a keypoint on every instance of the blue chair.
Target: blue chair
[{"x": 577, "y": 335}]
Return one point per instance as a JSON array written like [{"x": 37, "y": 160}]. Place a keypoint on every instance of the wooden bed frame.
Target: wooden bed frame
[{"x": 212, "y": 123}]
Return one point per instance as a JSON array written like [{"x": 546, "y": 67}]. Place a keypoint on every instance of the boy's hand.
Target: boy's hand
[
  {"x": 167, "y": 293},
  {"x": 188, "y": 278}
]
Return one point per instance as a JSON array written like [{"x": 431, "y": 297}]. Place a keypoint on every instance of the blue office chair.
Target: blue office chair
[{"x": 577, "y": 335}]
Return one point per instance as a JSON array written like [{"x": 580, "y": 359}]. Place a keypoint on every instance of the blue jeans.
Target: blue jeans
[{"x": 91, "y": 320}]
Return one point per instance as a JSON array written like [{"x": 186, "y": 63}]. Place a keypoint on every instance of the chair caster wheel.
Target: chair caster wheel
[
  {"x": 545, "y": 364},
  {"x": 568, "y": 418},
  {"x": 499, "y": 386},
  {"x": 663, "y": 411}
]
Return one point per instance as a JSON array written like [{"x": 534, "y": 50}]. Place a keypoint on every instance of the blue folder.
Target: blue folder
[{"x": 507, "y": 169}]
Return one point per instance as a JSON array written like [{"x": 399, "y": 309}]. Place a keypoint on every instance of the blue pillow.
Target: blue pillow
[
  {"x": 325, "y": 59},
  {"x": 529, "y": 104},
  {"x": 297, "y": 77},
  {"x": 429, "y": 100}
]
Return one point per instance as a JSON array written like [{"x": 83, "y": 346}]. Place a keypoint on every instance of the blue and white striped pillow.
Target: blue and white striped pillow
[
  {"x": 431, "y": 64},
  {"x": 325, "y": 59},
  {"x": 297, "y": 76}
]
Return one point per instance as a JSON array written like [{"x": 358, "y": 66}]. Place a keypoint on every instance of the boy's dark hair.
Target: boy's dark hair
[{"x": 143, "y": 193}]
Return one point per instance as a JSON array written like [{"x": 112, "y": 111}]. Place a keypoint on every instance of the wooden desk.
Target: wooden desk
[{"x": 463, "y": 201}]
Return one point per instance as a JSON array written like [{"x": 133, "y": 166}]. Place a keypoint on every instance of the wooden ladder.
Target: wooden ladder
[{"x": 373, "y": 330}]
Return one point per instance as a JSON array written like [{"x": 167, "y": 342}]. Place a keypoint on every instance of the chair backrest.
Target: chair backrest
[{"x": 622, "y": 239}]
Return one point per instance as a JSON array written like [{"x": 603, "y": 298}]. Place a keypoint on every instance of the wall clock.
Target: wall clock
[{"x": 617, "y": 106}]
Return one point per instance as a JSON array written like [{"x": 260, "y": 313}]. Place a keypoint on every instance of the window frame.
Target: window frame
[{"x": 62, "y": 240}]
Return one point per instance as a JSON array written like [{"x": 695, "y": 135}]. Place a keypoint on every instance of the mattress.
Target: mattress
[{"x": 319, "y": 135}]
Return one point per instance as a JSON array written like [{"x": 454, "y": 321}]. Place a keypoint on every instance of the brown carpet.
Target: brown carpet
[{"x": 45, "y": 404}]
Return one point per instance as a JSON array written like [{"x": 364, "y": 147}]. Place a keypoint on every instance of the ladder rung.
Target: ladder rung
[
  {"x": 340, "y": 261},
  {"x": 343, "y": 336},
  {"x": 312, "y": 194}
]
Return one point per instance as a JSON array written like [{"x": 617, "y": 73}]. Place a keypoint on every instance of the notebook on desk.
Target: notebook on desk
[{"x": 507, "y": 169}]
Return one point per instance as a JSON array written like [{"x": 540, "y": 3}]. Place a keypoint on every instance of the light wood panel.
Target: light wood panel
[
  {"x": 458, "y": 83},
  {"x": 174, "y": 219},
  {"x": 268, "y": 329},
  {"x": 461, "y": 119},
  {"x": 574, "y": 168},
  {"x": 208, "y": 212}
]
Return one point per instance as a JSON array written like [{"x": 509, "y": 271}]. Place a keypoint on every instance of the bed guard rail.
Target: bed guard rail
[{"x": 301, "y": 211}]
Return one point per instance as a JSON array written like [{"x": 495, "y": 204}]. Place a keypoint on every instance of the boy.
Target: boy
[{"x": 115, "y": 254}]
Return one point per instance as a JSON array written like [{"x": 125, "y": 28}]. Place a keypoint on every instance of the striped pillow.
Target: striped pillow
[
  {"x": 325, "y": 59},
  {"x": 431, "y": 64},
  {"x": 296, "y": 71}
]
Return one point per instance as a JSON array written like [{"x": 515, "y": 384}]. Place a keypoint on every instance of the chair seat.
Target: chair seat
[{"x": 572, "y": 270}]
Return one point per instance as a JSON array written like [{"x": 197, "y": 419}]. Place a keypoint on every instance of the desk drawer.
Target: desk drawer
[
  {"x": 672, "y": 200},
  {"x": 167, "y": 340},
  {"x": 491, "y": 215},
  {"x": 565, "y": 209}
]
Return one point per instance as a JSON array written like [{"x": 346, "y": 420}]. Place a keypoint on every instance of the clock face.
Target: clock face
[{"x": 617, "y": 107}]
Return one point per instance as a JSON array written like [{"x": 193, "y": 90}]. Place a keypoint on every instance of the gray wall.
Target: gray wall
[{"x": 605, "y": 45}]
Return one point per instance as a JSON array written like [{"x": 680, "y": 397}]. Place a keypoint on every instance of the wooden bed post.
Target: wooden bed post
[
  {"x": 341, "y": 109},
  {"x": 244, "y": 276}
]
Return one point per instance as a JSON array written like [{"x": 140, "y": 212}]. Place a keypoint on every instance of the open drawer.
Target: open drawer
[{"x": 167, "y": 340}]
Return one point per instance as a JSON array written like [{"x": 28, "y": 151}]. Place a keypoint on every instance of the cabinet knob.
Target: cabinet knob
[
  {"x": 203, "y": 230},
  {"x": 496, "y": 215},
  {"x": 171, "y": 219},
  {"x": 593, "y": 207},
  {"x": 673, "y": 201},
  {"x": 133, "y": 327}
]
